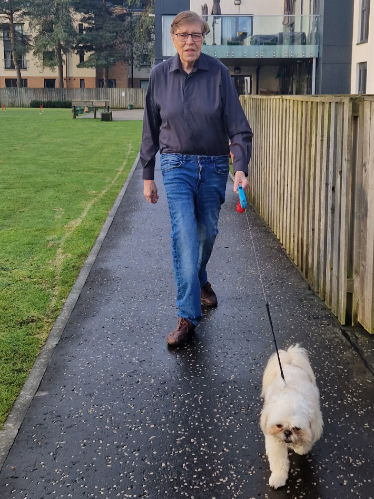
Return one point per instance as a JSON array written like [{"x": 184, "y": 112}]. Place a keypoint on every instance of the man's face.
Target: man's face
[{"x": 189, "y": 50}]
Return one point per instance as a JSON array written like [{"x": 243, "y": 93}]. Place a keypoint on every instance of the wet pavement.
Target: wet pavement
[{"x": 118, "y": 414}]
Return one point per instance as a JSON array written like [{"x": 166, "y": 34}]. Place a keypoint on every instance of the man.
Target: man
[{"x": 192, "y": 112}]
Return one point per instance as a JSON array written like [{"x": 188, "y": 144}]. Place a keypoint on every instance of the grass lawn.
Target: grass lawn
[{"x": 59, "y": 180}]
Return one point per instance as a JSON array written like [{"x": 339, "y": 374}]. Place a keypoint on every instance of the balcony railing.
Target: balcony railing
[
  {"x": 8, "y": 64},
  {"x": 256, "y": 37}
]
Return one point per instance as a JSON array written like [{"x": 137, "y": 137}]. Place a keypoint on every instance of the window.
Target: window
[
  {"x": 19, "y": 28},
  {"x": 168, "y": 48},
  {"x": 111, "y": 83},
  {"x": 12, "y": 82},
  {"x": 235, "y": 30},
  {"x": 8, "y": 61},
  {"x": 80, "y": 28},
  {"x": 364, "y": 20},
  {"x": 144, "y": 60},
  {"x": 49, "y": 83},
  {"x": 144, "y": 84},
  {"x": 81, "y": 83},
  {"x": 81, "y": 56},
  {"x": 18, "y": 32},
  {"x": 362, "y": 76},
  {"x": 243, "y": 84},
  {"x": 48, "y": 57},
  {"x": 48, "y": 26}
]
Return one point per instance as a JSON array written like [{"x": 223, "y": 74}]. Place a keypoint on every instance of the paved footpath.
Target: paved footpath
[{"x": 119, "y": 415}]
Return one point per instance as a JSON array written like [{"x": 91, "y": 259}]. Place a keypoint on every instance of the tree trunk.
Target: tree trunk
[
  {"x": 105, "y": 77},
  {"x": 60, "y": 66},
  {"x": 13, "y": 49}
]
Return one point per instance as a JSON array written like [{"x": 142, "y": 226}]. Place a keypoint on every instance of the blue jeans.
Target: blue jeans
[{"x": 195, "y": 188}]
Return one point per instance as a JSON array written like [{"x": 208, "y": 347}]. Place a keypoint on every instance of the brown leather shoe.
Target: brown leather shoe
[
  {"x": 208, "y": 296},
  {"x": 182, "y": 333}
]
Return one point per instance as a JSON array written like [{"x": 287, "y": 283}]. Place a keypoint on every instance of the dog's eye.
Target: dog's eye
[
  {"x": 279, "y": 426},
  {"x": 295, "y": 428}
]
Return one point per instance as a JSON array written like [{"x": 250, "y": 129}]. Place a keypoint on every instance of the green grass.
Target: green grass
[{"x": 59, "y": 180}]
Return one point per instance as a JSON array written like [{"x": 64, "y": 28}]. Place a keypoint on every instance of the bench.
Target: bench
[{"x": 95, "y": 104}]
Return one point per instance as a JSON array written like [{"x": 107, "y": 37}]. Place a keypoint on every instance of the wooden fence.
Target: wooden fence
[
  {"x": 312, "y": 180},
  {"x": 119, "y": 97}
]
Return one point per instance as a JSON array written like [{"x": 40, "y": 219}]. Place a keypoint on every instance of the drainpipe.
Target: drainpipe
[
  {"x": 257, "y": 78},
  {"x": 314, "y": 76},
  {"x": 67, "y": 69}
]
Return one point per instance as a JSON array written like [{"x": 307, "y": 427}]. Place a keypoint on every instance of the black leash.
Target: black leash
[{"x": 243, "y": 206}]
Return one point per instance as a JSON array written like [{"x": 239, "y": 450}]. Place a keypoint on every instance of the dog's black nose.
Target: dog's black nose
[{"x": 287, "y": 433}]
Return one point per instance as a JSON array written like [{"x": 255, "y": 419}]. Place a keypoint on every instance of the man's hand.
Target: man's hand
[
  {"x": 150, "y": 191},
  {"x": 240, "y": 179}
]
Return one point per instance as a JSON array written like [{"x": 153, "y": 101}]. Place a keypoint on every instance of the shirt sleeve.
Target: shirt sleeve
[
  {"x": 236, "y": 123},
  {"x": 151, "y": 131}
]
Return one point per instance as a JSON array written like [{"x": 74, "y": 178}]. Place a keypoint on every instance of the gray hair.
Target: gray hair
[{"x": 185, "y": 17}]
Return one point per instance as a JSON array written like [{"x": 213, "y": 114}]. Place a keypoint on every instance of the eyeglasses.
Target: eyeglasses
[{"x": 183, "y": 37}]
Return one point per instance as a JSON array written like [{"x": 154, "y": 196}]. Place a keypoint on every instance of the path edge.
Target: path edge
[{"x": 21, "y": 405}]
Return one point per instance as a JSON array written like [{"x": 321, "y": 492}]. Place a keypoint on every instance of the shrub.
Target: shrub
[{"x": 51, "y": 103}]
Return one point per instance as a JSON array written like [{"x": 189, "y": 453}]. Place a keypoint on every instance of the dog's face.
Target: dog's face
[
  {"x": 289, "y": 420},
  {"x": 290, "y": 434}
]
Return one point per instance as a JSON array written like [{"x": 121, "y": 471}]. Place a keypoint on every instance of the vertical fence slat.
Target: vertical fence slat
[
  {"x": 337, "y": 220},
  {"x": 302, "y": 186},
  {"x": 357, "y": 162},
  {"x": 370, "y": 225},
  {"x": 364, "y": 299},
  {"x": 312, "y": 193},
  {"x": 345, "y": 210},
  {"x": 317, "y": 196},
  {"x": 368, "y": 219},
  {"x": 330, "y": 206},
  {"x": 323, "y": 218}
]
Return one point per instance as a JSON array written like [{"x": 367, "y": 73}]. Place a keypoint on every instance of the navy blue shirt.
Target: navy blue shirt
[{"x": 196, "y": 113}]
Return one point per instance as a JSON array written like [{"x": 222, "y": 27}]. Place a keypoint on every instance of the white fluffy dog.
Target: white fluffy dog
[{"x": 291, "y": 417}]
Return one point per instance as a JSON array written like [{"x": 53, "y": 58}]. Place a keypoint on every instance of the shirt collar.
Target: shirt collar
[{"x": 201, "y": 64}]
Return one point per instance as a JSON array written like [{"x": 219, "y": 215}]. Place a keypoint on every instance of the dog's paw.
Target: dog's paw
[
  {"x": 277, "y": 480},
  {"x": 302, "y": 449}
]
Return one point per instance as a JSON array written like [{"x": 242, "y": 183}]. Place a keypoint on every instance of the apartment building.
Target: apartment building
[
  {"x": 32, "y": 71},
  {"x": 272, "y": 46},
  {"x": 34, "y": 75},
  {"x": 362, "y": 76}
]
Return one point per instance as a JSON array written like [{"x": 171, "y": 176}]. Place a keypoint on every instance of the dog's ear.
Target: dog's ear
[
  {"x": 316, "y": 426},
  {"x": 264, "y": 420}
]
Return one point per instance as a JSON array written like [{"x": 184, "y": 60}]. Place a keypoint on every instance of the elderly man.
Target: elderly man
[{"x": 192, "y": 112}]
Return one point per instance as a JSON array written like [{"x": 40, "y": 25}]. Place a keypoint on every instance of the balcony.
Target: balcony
[{"x": 256, "y": 37}]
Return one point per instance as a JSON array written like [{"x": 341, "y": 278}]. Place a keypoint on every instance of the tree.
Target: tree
[
  {"x": 52, "y": 21},
  {"x": 12, "y": 17},
  {"x": 104, "y": 37},
  {"x": 116, "y": 32},
  {"x": 141, "y": 31}
]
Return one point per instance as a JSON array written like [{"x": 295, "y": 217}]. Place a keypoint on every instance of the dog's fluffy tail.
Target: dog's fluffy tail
[
  {"x": 295, "y": 356},
  {"x": 298, "y": 357}
]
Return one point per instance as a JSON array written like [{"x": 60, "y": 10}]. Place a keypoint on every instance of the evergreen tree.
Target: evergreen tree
[
  {"x": 52, "y": 22},
  {"x": 12, "y": 18},
  {"x": 116, "y": 32},
  {"x": 104, "y": 37}
]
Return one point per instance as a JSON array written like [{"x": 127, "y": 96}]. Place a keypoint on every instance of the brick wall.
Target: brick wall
[{"x": 118, "y": 73}]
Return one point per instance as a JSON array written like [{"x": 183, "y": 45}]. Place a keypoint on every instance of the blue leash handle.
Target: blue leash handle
[{"x": 242, "y": 198}]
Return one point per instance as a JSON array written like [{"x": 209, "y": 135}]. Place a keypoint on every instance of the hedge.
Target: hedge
[{"x": 51, "y": 103}]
